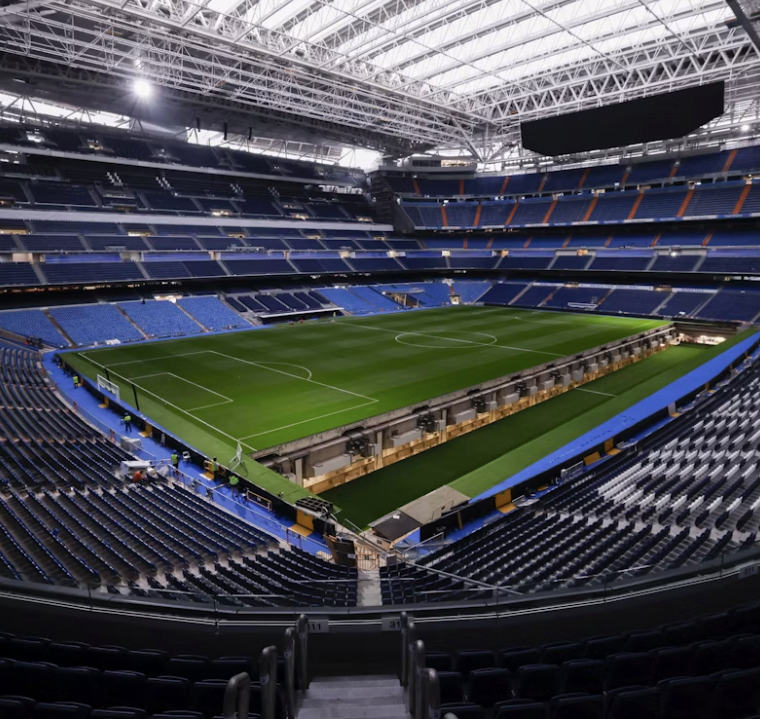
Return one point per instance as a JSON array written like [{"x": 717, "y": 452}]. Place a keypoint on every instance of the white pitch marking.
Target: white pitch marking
[
  {"x": 453, "y": 339},
  {"x": 294, "y": 376},
  {"x": 591, "y": 391},
  {"x": 205, "y": 389},
  {"x": 148, "y": 359},
  {"x": 450, "y": 339},
  {"x": 290, "y": 364},
  {"x": 312, "y": 419},
  {"x": 187, "y": 412},
  {"x": 208, "y": 406}
]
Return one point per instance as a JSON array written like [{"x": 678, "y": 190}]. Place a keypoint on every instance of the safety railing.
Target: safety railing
[
  {"x": 597, "y": 587},
  {"x": 214, "y": 494},
  {"x": 302, "y": 653},
  {"x": 237, "y": 697},
  {"x": 416, "y": 551},
  {"x": 423, "y": 691}
]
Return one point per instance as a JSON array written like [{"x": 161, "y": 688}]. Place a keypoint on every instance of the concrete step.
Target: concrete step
[
  {"x": 377, "y": 680},
  {"x": 317, "y": 696},
  {"x": 354, "y": 697},
  {"x": 352, "y": 710}
]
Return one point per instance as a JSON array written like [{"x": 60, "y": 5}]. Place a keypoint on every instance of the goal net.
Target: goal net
[{"x": 108, "y": 386}]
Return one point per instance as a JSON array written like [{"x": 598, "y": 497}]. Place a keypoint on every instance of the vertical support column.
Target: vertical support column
[
  {"x": 379, "y": 462},
  {"x": 477, "y": 218},
  {"x": 635, "y": 207},
  {"x": 685, "y": 203},
  {"x": 740, "y": 202}
]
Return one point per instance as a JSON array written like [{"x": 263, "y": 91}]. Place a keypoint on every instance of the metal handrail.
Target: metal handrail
[
  {"x": 416, "y": 666},
  {"x": 403, "y": 630},
  {"x": 302, "y": 652},
  {"x": 237, "y": 697},
  {"x": 431, "y": 695},
  {"x": 408, "y": 637},
  {"x": 268, "y": 679},
  {"x": 289, "y": 652}
]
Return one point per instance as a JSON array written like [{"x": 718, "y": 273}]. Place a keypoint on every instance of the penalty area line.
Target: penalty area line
[
  {"x": 188, "y": 413},
  {"x": 147, "y": 359},
  {"x": 294, "y": 376},
  {"x": 189, "y": 381}
]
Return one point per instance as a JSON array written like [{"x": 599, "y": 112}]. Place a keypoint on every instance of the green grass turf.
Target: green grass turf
[
  {"x": 475, "y": 462},
  {"x": 267, "y": 387}
]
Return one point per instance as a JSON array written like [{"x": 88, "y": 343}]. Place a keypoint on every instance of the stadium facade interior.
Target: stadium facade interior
[{"x": 371, "y": 360}]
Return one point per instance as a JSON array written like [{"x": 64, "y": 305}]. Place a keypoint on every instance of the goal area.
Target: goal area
[{"x": 108, "y": 386}]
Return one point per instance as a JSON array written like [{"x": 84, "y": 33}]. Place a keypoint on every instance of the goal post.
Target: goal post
[
  {"x": 237, "y": 462},
  {"x": 108, "y": 386}
]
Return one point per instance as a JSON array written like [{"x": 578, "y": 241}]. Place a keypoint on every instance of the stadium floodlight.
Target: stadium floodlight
[
  {"x": 744, "y": 127},
  {"x": 142, "y": 88}
]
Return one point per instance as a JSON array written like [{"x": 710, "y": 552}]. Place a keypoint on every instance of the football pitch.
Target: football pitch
[{"x": 265, "y": 387}]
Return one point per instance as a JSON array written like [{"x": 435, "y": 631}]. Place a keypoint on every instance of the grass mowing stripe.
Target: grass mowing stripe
[
  {"x": 481, "y": 459},
  {"x": 289, "y": 382},
  {"x": 344, "y": 364}
]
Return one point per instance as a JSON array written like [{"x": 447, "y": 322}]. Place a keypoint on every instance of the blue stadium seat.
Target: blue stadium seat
[
  {"x": 735, "y": 694},
  {"x": 628, "y": 669},
  {"x": 211, "y": 313},
  {"x": 32, "y": 323},
  {"x": 539, "y": 682},
  {"x": 166, "y": 693},
  {"x": 440, "y": 661},
  {"x": 88, "y": 324},
  {"x": 452, "y": 687},
  {"x": 464, "y": 711},
  {"x": 577, "y": 707},
  {"x": 77, "y": 684},
  {"x": 150, "y": 662},
  {"x": 13, "y": 709},
  {"x": 61, "y": 710},
  {"x": 228, "y": 667},
  {"x": 467, "y": 661},
  {"x": 519, "y": 709},
  {"x": 583, "y": 675},
  {"x": 194, "y": 668},
  {"x": 669, "y": 662},
  {"x": 67, "y": 654},
  {"x": 208, "y": 696},
  {"x": 121, "y": 688},
  {"x": 486, "y": 687},
  {"x": 632, "y": 703},
  {"x": 685, "y": 698},
  {"x": 160, "y": 318}
]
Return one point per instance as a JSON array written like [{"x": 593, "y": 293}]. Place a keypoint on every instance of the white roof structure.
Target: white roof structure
[{"x": 442, "y": 73}]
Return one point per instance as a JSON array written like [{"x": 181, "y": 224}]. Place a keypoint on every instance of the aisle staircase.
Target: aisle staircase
[{"x": 362, "y": 697}]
